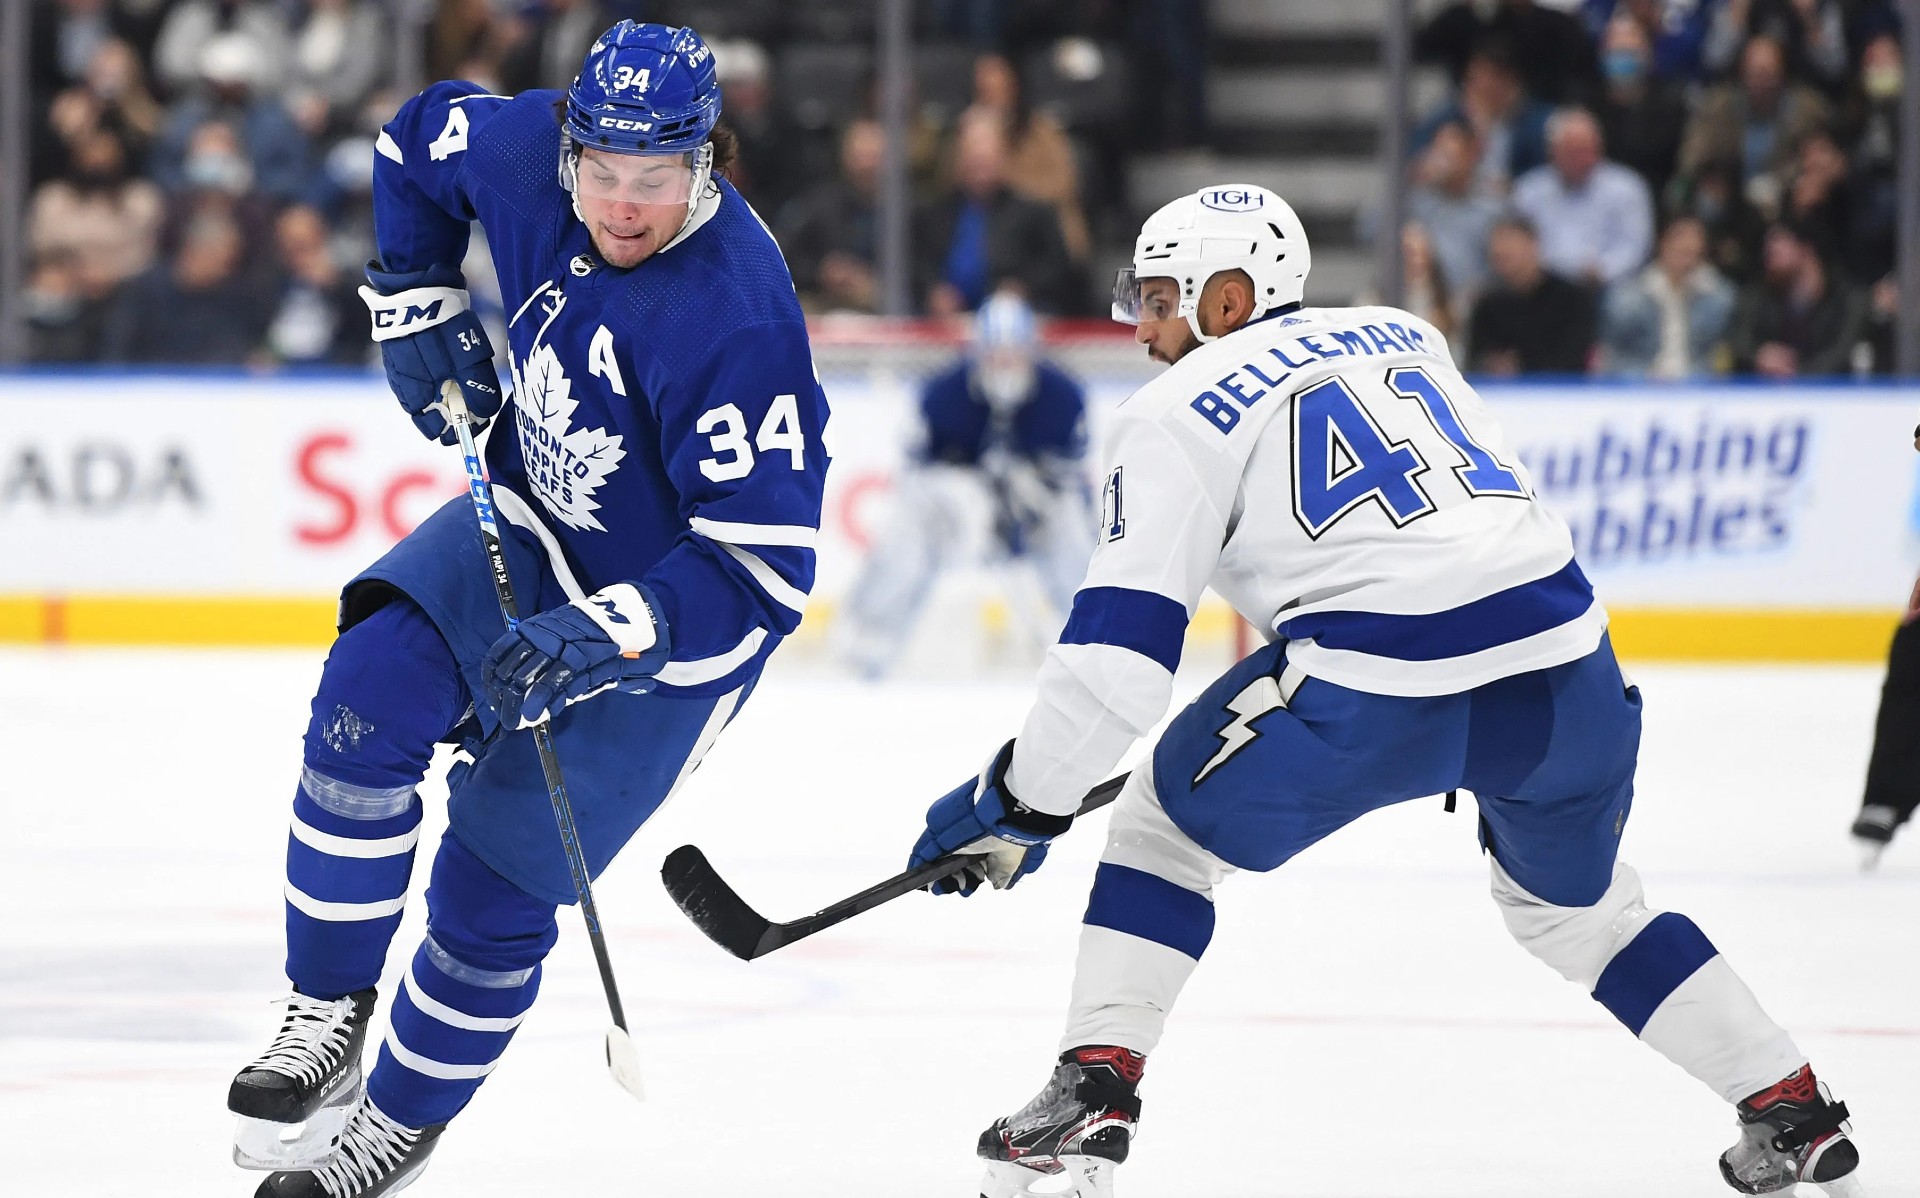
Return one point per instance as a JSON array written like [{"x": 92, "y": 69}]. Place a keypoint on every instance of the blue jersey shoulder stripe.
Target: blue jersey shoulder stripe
[
  {"x": 1151, "y": 625},
  {"x": 1498, "y": 619}
]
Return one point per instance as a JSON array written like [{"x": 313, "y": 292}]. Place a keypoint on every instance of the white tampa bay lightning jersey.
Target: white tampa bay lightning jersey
[{"x": 1329, "y": 473}]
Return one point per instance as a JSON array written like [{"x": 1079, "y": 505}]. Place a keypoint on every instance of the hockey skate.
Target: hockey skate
[
  {"x": 1067, "y": 1141},
  {"x": 1793, "y": 1132},
  {"x": 1873, "y": 832},
  {"x": 375, "y": 1156},
  {"x": 293, "y": 1099}
]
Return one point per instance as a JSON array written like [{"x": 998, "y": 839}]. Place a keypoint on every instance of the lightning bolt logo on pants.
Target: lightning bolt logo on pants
[{"x": 1260, "y": 696}]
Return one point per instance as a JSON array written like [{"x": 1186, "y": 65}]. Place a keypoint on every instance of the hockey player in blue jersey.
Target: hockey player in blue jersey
[
  {"x": 658, "y": 473},
  {"x": 995, "y": 471},
  {"x": 1330, "y": 474}
]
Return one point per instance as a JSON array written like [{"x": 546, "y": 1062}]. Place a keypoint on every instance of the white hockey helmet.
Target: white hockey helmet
[{"x": 1224, "y": 227}]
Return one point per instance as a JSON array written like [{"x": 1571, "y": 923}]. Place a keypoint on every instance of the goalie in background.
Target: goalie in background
[{"x": 996, "y": 473}]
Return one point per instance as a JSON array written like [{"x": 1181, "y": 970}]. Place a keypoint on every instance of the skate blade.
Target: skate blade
[
  {"x": 1078, "y": 1177},
  {"x": 1840, "y": 1187},
  {"x": 269, "y": 1146}
]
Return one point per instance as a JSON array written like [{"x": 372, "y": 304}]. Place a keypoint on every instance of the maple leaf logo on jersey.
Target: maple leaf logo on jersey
[{"x": 565, "y": 465}]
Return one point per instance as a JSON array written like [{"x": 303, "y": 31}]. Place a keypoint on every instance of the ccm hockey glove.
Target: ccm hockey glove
[
  {"x": 427, "y": 332},
  {"x": 609, "y": 640},
  {"x": 981, "y": 816}
]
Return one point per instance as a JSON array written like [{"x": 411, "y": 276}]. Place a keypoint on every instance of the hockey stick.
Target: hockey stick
[
  {"x": 622, "y": 1057},
  {"x": 719, "y": 911}
]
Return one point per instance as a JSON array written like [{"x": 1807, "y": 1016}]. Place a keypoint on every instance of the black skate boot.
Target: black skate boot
[
  {"x": 1080, "y": 1125},
  {"x": 1792, "y": 1132},
  {"x": 294, "y": 1097},
  {"x": 375, "y": 1156},
  {"x": 1873, "y": 832}
]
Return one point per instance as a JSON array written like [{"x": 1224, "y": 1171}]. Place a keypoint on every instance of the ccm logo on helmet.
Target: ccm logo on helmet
[
  {"x": 1231, "y": 199},
  {"x": 614, "y": 122}
]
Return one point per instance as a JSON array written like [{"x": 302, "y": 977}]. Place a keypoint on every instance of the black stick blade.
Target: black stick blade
[{"x": 699, "y": 890}]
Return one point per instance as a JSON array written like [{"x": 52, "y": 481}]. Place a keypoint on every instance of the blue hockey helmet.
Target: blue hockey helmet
[{"x": 644, "y": 89}]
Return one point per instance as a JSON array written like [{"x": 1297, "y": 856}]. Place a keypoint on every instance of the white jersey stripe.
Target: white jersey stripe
[
  {"x": 347, "y": 846},
  {"x": 777, "y": 588},
  {"x": 433, "y": 1007},
  {"x": 711, "y": 669},
  {"x": 432, "y": 1068},
  {"x": 735, "y": 533},
  {"x": 1451, "y": 675},
  {"x": 306, "y": 904}
]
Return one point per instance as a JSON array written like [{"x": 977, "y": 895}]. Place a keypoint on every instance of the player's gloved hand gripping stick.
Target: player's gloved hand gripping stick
[
  {"x": 716, "y": 909},
  {"x": 622, "y": 1057}
]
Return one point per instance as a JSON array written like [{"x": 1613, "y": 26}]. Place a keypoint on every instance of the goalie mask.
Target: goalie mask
[{"x": 1226, "y": 227}]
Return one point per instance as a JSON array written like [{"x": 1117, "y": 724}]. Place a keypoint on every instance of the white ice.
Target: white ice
[{"x": 1362, "y": 1026}]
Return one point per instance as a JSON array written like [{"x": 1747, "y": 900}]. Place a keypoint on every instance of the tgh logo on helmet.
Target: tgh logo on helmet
[{"x": 1231, "y": 199}]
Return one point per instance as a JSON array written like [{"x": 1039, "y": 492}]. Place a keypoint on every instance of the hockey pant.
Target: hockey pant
[
  {"x": 1150, "y": 916},
  {"x": 390, "y": 691}
]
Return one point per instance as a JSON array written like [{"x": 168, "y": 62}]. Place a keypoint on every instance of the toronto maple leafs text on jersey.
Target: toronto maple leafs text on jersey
[
  {"x": 1333, "y": 477},
  {"x": 666, "y": 422}
]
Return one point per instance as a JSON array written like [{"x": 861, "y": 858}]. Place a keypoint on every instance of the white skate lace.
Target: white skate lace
[
  {"x": 311, "y": 1039},
  {"x": 370, "y": 1147}
]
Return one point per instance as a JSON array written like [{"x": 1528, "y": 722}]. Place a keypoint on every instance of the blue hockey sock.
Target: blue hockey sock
[
  {"x": 390, "y": 690},
  {"x": 466, "y": 990}
]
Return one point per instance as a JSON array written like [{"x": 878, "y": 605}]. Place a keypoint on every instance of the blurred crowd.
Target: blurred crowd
[
  {"x": 202, "y": 169},
  {"x": 1660, "y": 188}
]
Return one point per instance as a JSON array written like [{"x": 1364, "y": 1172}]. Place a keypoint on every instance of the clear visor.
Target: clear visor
[
  {"x": 653, "y": 179},
  {"x": 1136, "y": 299},
  {"x": 1005, "y": 375}
]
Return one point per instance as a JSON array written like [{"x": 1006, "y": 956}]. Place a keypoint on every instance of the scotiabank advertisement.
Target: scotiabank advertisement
[{"x": 230, "y": 485}]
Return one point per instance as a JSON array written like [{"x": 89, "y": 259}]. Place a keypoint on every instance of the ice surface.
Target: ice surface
[{"x": 1362, "y": 1025}]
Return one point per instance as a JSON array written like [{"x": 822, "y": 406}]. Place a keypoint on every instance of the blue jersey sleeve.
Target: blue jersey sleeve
[
  {"x": 741, "y": 440},
  {"x": 423, "y": 200}
]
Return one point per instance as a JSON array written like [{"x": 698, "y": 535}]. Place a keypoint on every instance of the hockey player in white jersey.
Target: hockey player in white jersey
[{"x": 1329, "y": 473}]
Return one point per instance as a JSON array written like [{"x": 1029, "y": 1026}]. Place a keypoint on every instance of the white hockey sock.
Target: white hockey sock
[{"x": 1148, "y": 921}]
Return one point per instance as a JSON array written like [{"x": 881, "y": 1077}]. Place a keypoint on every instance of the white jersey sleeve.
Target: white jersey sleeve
[{"x": 1166, "y": 506}]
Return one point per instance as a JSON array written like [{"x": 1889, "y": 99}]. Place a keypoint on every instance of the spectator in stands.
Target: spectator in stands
[
  {"x": 542, "y": 47},
  {"x": 1883, "y": 313},
  {"x": 1554, "y": 54},
  {"x": 1675, "y": 29},
  {"x": 1423, "y": 283},
  {"x": 770, "y": 168},
  {"x": 831, "y": 233},
  {"x": 112, "y": 95},
  {"x": 463, "y": 42},
  {"x": 1530, "y": 320},
  {"x": 1820, "y": 202},
  {"x": 275, "y": 151},
  {"x": 1039, "y": 157},
  {"x": 63, "y": 39},
  {"x": 1449, "y": 204},
  {"x": 338, "y": 56},
  {"x": 62, "y": 325},
  {"x": 195, "y": 308},
  {"x": 1798, "y": 319},
  {"x": 1810, "y": 33},
  {"x": 1594, "y": 217},
  {"x": 194, "y": 25},
  {"x": 320, "y": 318},
  {"x": 1670, "y": 320},
  {"x": 1641, "y": 114},
  {"x": 1734, "y": 226},
  {"x": 1510, "y": 125},
  {"x": 1870, "y": 130},
  {"x": 982, "y": 236},
  {"x": 1758, "y": 122},
  {"x": 99, "y": 220}
]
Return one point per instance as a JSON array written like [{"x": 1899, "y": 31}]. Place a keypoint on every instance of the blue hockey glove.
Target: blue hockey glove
[
  {"x": 610, "y": 639},
  {"x": 429, "y": 334},
  {"x": 981, "y": 816}
]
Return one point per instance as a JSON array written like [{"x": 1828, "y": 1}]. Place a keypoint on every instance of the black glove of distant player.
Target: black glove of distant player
[{"x": 427, "y": 335}]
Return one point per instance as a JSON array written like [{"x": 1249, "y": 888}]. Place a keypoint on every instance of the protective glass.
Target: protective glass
[
  {"x": 653, "y": 179},
  {"x": 1135, "y": 299}
]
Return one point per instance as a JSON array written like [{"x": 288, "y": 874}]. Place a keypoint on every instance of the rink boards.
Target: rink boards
[{"x": 1722, "y": 522}]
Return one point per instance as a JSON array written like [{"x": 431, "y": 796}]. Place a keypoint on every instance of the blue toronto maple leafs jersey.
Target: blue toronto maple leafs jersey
[
  {"x": 665, "y": 423},
  {"x": 959, "y": 426}
]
